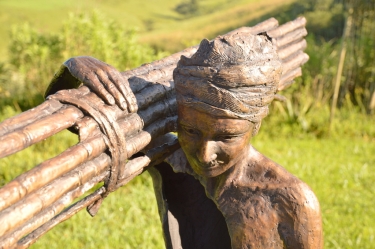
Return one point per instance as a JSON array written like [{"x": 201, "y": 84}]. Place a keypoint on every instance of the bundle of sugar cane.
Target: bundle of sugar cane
[{"x": 36, "y": 201}]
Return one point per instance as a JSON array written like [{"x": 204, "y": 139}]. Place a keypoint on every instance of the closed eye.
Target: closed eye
[
  {"x": 229, "y": 138},
  {"x": 190, "y": 130}
]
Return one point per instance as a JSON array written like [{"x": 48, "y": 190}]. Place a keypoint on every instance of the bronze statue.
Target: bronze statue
[
  {"x": 223, "y": 92},
  {"x": 217, "y": 191}
]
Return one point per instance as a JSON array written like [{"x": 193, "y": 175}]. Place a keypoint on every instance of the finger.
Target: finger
[
  {"x": 80, "y": 66},
  {"x": 111, "y": 93},
  {"x": 94, "y": 83},
  {"x": 131, "y": 100},
  {"x": 124, "y": 87},
  {"x": 84, "y": 68},
  {"x": 111, "y": 87}
]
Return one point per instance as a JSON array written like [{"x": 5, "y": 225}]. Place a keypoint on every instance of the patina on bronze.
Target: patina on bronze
[
  {"x": 100, "y": 113},
  {"x": 223, "y": 93}
]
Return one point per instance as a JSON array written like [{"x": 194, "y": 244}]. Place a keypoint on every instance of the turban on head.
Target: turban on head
[{"x": 233, "y": 76}]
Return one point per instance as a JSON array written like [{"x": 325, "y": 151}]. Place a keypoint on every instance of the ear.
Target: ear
[{"x": 256, "y": 128}]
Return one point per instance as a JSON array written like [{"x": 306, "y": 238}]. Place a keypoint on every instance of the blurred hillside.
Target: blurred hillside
[
  {"x": 334, "y": 154},
  {"x": 41, "y": 34},
  {"x": 172, "y": 22}
]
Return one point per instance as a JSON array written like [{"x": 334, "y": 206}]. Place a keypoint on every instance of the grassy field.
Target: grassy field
[
  {"x": 127, "y": 219},
  {"x": 339, "y": 169},
  {"x": 152, "y": 18},
  {"x": 338, "y": 166}
]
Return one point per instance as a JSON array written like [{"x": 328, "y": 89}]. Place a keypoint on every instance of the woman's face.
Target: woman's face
[{"x": 212, "y": 144}]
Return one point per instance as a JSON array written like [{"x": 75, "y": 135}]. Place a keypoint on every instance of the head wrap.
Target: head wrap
[{"x": 232, "y": 76}]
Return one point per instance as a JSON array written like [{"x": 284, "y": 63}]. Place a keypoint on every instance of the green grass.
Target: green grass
[
  {"x": 341, "y": 173},
  {"x": 338, "y": 166},
  {"x": 127, "y": 219},
  {"x": 339, "y": 169},
  {"x": 157, "y": 22}
]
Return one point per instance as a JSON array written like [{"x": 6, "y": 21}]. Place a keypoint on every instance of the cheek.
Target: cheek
[
  {"x": 226, "y": 152},
  {"x": 187, "y": 143},
  {"x": 236, "y": 149},
  {"x": 230, "y": 152}
]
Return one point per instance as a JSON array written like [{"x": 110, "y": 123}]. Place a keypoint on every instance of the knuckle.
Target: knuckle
[
  {"x": 98, "y": 71},
  {"x": 100, "y": 87},
  {"x": 111, "y": 86}
]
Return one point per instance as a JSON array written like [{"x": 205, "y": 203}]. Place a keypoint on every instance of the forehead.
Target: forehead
[{"x": 204, "y": 121}]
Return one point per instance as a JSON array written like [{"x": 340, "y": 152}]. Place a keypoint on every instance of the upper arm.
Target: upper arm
[
  {"x": 302, "y": 226},
  {"x": 310, "y": 223}
]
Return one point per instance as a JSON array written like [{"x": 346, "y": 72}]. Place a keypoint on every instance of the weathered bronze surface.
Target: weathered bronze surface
[
  {"x": 223, "y": 93},
  {"x": 215, "y": 192}
]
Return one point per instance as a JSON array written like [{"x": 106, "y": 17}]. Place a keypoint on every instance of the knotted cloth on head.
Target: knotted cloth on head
[{"x": 233, "y": 76}]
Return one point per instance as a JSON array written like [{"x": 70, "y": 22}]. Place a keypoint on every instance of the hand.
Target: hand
[{"x": 104, "y": 80}]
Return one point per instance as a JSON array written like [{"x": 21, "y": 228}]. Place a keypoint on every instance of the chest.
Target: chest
[{"x": 251, "y": 217}]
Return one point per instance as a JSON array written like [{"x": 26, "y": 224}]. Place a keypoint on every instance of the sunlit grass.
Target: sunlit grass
[
  {"x": 341, "y": 173},
  {"x": 337, "y": 165},
  {"x": 157, "y": 22},
  {"x": 339, "y": 168},
  {"x": 127, "y": 219}
]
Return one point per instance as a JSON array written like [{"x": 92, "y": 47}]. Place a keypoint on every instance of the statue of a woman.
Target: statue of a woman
[
  {"x": 223, "y": 92},
  {"x": 218, "y": 191}
]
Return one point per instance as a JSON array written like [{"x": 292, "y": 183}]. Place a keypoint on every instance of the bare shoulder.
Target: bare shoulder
[
  {"x": 308, "y": 199},
  {"x": 298, "y": 209},
  {"x": 307, "y": 220},
  {"x": 289, "y": 186},
  {"x": 277, "y": 177}
]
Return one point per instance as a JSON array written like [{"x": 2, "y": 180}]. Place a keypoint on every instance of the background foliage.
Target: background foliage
[
  {"x": 335, "y": 158},
  {"x": 35, "y": 56}
]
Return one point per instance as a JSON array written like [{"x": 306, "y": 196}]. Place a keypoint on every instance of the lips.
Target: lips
[{"x": 210, "y": 165}]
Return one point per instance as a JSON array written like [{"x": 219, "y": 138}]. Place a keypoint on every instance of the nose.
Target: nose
[{"x": 207, "y": 152}]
